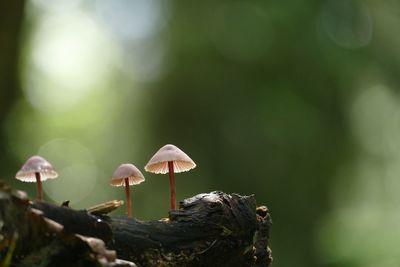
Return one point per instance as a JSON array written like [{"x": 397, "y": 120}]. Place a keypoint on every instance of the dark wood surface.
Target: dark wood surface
[{"x": 213, "y": 229}]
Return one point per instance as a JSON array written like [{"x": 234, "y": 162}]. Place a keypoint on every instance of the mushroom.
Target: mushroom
[
  {"x": 170, "y": 159},
  {"x": 127, "y": 174},
  {"x": 36, "y": 169}
]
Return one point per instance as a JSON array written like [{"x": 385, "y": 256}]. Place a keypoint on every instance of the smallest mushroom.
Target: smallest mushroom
[
  {"x": 127, "y": 174},
  {"x": 36, "y": 169}
]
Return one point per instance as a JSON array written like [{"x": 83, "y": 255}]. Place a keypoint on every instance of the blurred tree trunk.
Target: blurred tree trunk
[{"x": 11, "y": 18}]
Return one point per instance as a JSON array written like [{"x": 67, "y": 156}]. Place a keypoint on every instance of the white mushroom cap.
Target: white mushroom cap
[
  {"x": 33, "y": 165},
  {"x": 126, "y": 171},
  {"x": 159, "y": 162}
]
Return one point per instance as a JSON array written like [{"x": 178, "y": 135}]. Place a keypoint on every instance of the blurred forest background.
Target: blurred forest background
[{"x": 296, "y": 102}]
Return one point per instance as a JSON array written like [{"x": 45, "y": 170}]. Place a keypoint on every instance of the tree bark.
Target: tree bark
[{"x": 214, "y": 229}]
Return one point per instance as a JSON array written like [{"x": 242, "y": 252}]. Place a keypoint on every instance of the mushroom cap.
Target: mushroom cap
[
  {"x": 129, "y": 171},
  {"x": 159, "y": 162},
  {"x": 33, "y": 165}
]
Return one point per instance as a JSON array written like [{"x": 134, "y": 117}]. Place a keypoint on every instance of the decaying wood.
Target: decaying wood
[
  {"x": 28, "y": 238},
  {"x": 214, "y": 229}
]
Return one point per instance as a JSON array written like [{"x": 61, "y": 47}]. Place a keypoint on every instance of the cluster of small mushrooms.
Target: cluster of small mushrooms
[{"x": 169, "y": 159}]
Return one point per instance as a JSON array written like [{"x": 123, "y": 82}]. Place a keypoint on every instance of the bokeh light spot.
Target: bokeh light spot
[
  {"x": 347, "y": 23},
  {"x": 70, "y": 56},
  {"x": 76, "y": 167},
  {"x": 376, "y": 120},
  {"x": 74, "y": 183},
  {"x": 131, "y": 20}
]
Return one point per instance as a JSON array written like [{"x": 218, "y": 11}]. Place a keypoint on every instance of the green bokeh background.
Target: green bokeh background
[{"x": 295, "y": 102}]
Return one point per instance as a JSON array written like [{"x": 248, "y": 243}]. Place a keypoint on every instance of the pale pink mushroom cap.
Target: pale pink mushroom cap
[
  {"x": 33, "y": 165},
  {"x": 126, "y": 171},
  {"x": 159, "y": 162}
]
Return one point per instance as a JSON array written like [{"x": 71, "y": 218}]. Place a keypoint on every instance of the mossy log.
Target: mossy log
[{"x": 213, "y": 229}]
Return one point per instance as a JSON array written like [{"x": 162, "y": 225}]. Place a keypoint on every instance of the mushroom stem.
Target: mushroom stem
[
  {"x": 172, "y": 184},
  {"x": 128, "y": 198},
  {"x": 39, "y": 195}
]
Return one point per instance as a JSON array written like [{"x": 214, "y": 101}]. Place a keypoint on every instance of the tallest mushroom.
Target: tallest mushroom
[{"x": 170, "y": 159}]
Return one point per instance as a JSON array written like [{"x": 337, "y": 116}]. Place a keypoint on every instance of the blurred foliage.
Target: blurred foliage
[{"x": 294, "y": 102}]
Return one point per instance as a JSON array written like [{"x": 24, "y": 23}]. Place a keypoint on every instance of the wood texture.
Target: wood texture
[{"x": 213, "y": 229}]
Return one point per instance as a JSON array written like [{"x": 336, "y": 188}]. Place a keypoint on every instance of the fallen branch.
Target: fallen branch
[{"x": 214, "y": 229}]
